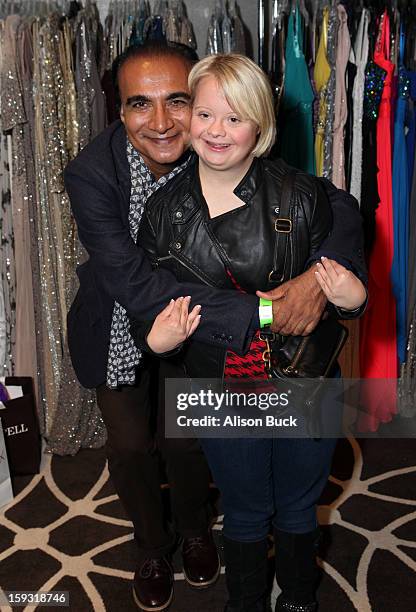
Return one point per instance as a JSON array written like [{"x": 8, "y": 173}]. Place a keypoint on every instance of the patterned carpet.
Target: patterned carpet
[{"x": 66, "y": 530}]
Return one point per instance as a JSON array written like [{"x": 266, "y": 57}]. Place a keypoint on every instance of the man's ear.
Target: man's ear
[{"x": 122, "y": 113}]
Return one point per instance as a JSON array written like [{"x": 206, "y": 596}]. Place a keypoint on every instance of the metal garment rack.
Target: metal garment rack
[{"x": 262, "y": 50}]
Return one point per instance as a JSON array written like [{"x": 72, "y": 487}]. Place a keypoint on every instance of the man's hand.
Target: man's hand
[{"x": 298, "y": 305}]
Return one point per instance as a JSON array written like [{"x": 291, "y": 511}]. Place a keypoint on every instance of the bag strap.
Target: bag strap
[{"x": 283, "y": 226}]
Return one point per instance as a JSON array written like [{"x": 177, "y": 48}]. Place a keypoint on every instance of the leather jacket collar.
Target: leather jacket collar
[{"x": 192, "y": 199}]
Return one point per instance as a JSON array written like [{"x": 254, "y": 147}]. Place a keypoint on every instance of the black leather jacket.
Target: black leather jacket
[{"x": 178, "y": 234}]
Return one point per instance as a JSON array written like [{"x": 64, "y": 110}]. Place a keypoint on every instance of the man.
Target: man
[{"x": 108, "y": 184}]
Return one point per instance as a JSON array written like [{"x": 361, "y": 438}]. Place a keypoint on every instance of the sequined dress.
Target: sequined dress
[
  {"x": 340, "y": 105},
  {"x": 361, "y": 56},
  {"x": 401, "y": 208},
  {"x": 331, "y": 51},
  {"x": 7, "y": 267},
  {"x": 15, "y": 121}
]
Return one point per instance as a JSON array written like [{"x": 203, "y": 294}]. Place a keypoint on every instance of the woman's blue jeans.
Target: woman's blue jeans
[{"x": 274, "y": 481}]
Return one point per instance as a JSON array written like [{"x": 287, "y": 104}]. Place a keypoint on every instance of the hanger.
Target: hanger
[
  {"x": 160, "y": 7},
  {"x": 232, "y": 8},
  {"x": 302, "y": 9},
  {"x": 280, "y": 9}
]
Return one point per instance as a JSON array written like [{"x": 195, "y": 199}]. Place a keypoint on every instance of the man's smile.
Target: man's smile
[{"x": 160, "y": 141}]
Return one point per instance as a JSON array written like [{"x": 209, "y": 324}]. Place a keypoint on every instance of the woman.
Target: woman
[{"x": 215, "y": 223}]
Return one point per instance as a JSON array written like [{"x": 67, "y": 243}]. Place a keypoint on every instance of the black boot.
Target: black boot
[
  {"x": 297, "y": 572},
  {"x": 246, "y": 575}
]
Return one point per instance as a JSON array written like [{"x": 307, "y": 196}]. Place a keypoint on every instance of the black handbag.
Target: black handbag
[{"x": 312, "y": 356}]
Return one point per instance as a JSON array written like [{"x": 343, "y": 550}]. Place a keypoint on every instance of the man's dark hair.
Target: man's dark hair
[{"x": 154, "y": 49}]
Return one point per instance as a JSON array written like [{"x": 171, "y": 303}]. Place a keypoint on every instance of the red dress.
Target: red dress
[{"x": 378, "y": 349}]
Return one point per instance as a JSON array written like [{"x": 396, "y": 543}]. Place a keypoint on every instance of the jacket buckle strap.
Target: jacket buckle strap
[
  {"x": 275, "y": 277},
  {"x": 267, "y": 334},
  {"x": 283, "y": 225}
]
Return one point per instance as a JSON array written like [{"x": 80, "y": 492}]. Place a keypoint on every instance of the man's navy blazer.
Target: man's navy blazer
[{"x": 98, "y": 184}]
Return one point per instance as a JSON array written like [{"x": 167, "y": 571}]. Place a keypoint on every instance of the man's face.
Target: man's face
[{"x": 155, "y": 109}]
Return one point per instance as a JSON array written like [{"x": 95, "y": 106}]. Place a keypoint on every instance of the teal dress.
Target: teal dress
[{"x": 295, "y": 135}]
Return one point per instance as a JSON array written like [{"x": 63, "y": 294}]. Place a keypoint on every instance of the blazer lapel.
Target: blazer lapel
[{"x": 121, "y": 164}]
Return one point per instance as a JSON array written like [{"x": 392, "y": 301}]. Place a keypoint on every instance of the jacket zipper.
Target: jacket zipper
[{"x": 190, "y": 269}]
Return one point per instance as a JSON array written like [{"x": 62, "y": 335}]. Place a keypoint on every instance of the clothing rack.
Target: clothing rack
[{"x": 36, "y": 208}]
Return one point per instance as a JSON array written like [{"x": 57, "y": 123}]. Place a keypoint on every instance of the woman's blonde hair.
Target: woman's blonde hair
[{"x": 246, "y": 89}]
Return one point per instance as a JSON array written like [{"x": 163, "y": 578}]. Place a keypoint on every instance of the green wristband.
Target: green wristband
[{"x": 265, "y": 312}]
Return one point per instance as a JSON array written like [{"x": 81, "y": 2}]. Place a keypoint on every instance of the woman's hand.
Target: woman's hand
[
  {"x": 341, "y": 287},
  {"x": 173, "y": 325}
]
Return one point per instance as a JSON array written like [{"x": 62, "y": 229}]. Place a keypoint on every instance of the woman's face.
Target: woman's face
[{"x": 219, "y": 136}]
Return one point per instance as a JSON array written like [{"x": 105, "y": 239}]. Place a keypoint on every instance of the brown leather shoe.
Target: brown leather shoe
[
  {"x": 201, "y": 563},
  {"x": 153, "y": 585}
]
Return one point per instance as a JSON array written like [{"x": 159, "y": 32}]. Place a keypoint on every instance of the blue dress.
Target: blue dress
[{"x": 399, "y": 269}]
